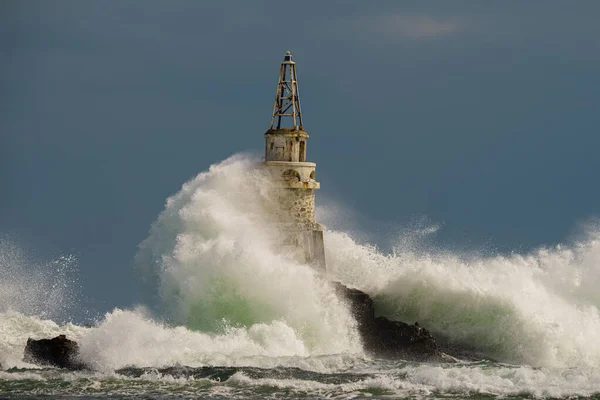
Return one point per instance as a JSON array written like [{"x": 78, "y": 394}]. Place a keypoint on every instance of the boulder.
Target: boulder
[
  {"x": 396, "y": 339},
  {"x": 385, "y": 338},
  {"x": 57, "y": 352}
]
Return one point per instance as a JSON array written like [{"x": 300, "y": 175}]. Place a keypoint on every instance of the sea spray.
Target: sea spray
[
  {"x": 213, "y": 256},
  {"x": 212, "y": 259},
  {"x": 540, "y": 308},
  {"x": 16, "y": 328},
  {"x": 131, "y": 338},
  {"x": 235, "y": 307},
  {"x": 37, "y": 287},
  {"x": 34, "y": 293}
]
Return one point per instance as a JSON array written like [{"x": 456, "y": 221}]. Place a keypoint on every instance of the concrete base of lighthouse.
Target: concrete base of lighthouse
[
  {"x": 305, "y": 245},
  {"x": 314, "y": 249}
]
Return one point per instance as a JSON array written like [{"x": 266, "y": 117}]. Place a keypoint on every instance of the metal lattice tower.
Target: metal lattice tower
[{"x": 287, "y": 97}]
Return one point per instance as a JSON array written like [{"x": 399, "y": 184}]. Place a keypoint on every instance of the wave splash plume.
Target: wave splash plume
[
  {"x": 212, "y": 256},
  {"x": 227, "y": 313},
  {"x": 540, "y": 309}
]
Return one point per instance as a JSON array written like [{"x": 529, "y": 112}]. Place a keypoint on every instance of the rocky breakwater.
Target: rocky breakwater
[
  {"x": 57, "y": 352},
  {"x": 384, "y": 338}
]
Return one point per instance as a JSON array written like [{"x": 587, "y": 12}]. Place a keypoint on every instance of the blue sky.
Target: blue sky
[{"x": 482, "y": 117}]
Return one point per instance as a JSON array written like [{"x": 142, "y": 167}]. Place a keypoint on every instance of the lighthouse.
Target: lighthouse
[{"x": 293, "y": 177}]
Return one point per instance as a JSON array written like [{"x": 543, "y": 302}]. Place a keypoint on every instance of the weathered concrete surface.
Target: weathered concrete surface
[
  {"x": 57, "y": 352},
  {"x": 314, "y": 248},
  {"x": 293, "y": 175},
  {"x": 303, "y": 244},
  {"x": 385, "y": 338},
  {"x": 285, "y": 144},
  {"x": 296, "y": 206}
]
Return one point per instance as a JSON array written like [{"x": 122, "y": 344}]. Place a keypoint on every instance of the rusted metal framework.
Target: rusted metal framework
[{"x": 287, "y": 97}]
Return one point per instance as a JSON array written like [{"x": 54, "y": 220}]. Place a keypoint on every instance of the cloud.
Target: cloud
[{"x": 408, "y": 26}]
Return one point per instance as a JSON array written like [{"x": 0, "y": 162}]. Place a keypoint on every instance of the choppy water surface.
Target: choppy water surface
[
  {"x": 366, "y": 378},
  {"x": 228, "y": 316}
]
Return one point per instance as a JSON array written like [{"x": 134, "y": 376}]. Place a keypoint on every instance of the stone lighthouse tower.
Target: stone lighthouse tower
[{"x": 294, "y": 177}]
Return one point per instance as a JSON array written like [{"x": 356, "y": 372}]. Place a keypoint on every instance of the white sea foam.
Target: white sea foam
[
  {"x": 16, "y": 328},
  {"x": 231, "y": 299},
  {"x": 215, "y": 263},
  {"x": 424, "y": 380},
  {"x": 128, "y": 338},
  {"x": 124, "y": 338},
  {"x": 540, "y": 308},
  {"x": 211, "y": 256}
]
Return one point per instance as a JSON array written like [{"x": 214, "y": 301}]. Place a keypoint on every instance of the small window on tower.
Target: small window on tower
[
  {"x": 302, "y": 151},
  {"x": 291, "y": 175},
  {"x": 270, "y": 152}
]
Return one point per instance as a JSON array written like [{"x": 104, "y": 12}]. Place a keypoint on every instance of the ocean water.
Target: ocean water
[{"x": 227, "y": 315}]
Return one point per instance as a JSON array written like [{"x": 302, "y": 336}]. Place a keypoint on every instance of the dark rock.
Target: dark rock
[
  {"x": 385, "y": 338},
  {"x": 396, "y": 339},
  {"x": 58, "y": 352}
]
